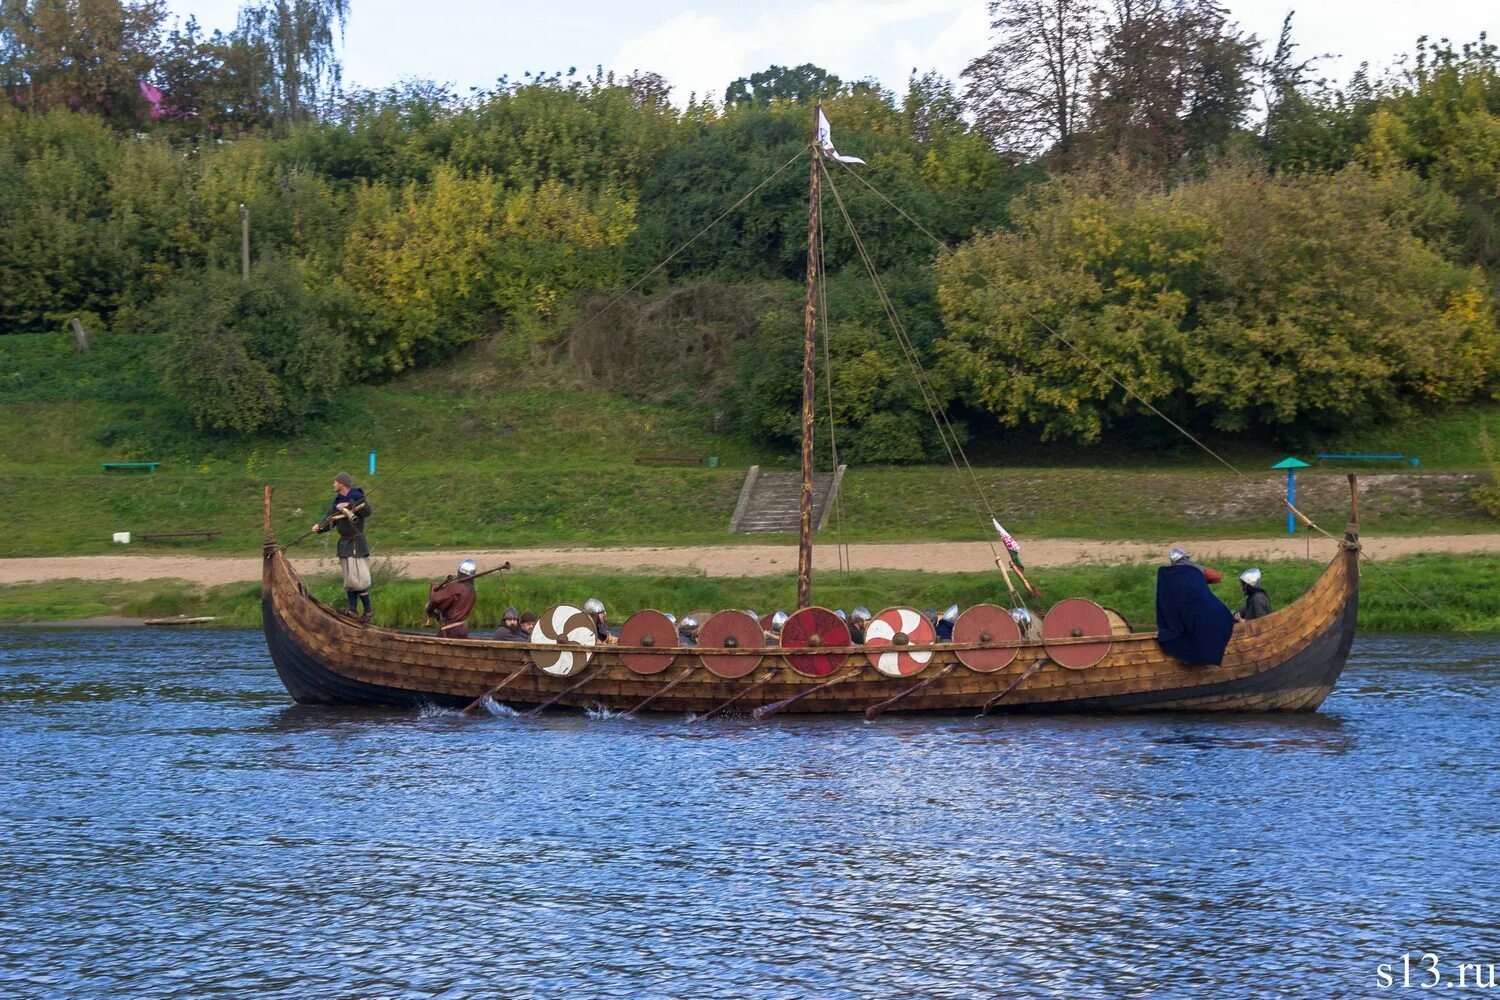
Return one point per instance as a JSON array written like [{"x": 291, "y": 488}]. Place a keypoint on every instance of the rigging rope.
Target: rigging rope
[
  {"x": 1303, "y": 518},
  {"x": 573, "y": 332}
]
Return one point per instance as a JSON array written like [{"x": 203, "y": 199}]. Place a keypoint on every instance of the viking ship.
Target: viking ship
[{"x": 1077, "y": 657}]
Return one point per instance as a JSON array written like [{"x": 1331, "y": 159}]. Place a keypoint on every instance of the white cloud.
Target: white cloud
[{"x": 884, "y": 39}]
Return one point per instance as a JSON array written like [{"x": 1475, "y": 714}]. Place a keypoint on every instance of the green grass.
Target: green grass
[
  {"x": 468, "y": 460},
  {"x": 1464, "y": 590}
]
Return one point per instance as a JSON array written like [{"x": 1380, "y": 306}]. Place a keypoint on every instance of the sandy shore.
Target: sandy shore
[{"x": 734, "y": 560}]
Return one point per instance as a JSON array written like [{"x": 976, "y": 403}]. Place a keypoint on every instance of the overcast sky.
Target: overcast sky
[{"x": 703, "y": 46}]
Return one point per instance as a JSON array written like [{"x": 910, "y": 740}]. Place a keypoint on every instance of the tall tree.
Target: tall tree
[
  {"x": 1028, "y": 91},
  {"x": 84, "y": 55},
  {"x": 297, "y": 38},
  {"x": 1173, "y": 80},
  {"x": 801, "y": 84}
]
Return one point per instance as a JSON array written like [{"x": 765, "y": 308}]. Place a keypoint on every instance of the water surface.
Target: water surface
[{"x": 175, "y": 827}]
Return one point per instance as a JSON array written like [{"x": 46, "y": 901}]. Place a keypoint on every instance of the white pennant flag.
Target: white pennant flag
[{"x": 825, "y": 141}]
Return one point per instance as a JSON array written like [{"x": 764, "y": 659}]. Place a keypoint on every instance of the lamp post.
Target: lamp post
[{"x": 1291, "y": 465}]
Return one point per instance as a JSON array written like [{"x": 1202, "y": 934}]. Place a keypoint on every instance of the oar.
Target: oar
[
  {"x": 670, "y": 685},
  {"x": 1012, "y": 686},
  {"x": 551, "y": 701},
  {"x": 770, "y": 673},
  {"x": 478, "y": 703},
  {"x": 766, "y": 711},
  {"x": 873, "y": 712}
]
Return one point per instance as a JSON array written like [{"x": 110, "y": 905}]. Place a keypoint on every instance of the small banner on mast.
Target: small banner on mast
[
  {"x": 825, "y": 141},
  {"x": 1011, "y": 545}
]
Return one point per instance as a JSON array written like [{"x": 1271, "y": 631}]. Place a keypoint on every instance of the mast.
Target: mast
[{"x": 804, "y": 544}]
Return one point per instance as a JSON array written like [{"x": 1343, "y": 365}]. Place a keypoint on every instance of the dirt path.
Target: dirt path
[{"x": 737, "y": 560}]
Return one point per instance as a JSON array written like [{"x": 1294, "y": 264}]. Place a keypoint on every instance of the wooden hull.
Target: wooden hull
[{"x": 1288, "y": 661}]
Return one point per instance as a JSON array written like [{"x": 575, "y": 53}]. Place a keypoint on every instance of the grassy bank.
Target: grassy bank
[
  {"x": 1465, "y": 590},
  {"x": 468, "y": 459}
]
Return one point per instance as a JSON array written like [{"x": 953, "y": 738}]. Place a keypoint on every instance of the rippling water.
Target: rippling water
[{"x": 173, "y": 826}]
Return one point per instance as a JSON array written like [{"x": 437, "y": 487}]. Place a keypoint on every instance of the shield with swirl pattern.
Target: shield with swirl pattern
[
  {"x": 571, "y": 632},
  {"x": 891, "y": 631}
]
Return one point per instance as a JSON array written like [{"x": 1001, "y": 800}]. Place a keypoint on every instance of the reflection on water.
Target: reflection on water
[{"x": 175, "y": 827}]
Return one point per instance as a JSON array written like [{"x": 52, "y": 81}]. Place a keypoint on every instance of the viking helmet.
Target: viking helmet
[
  {"x": 840, "y": 612},
  {"x": 778, "y": 620},
  {"x": 670, "y": 617},
  {"x": 930, "y": 614},
  {"x": 951, "y": 615},
  {"x": 594, "y": 606},
  {"x": 1251, "y": 577},
  {"x": 1022, "y": 616},
  {"x": 468, "y": 567},
  {"x": 688, "y": 623},
  {"x": 1177, "y": 556},
  {"x": 860, "y": 613}
]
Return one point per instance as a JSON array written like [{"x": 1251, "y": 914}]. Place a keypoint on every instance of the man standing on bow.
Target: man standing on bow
[{"x": 347, "y": 515}]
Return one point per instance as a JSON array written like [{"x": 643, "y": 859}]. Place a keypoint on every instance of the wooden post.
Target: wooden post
[
  {"x": 244, "y": 243},
  {"x": 79, "y": 335},
  {"x": 804, "y": 544}
]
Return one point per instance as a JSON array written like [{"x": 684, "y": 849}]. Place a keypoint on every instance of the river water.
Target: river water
[{"x": 174, "y": 826}]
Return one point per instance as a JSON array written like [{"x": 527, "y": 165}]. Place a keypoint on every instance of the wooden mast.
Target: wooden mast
[{"x": 804, "y": 544}]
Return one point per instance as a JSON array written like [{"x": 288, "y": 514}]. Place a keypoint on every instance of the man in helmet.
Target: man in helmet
[
  {"x": 1177, "y": 557},
  {"x": 859, "y": 621},
  {"x": 451, "y": 601},
  {"x": 510, "y": 627},
  {"x": 1257, "y": 603},
  {"x": 773, "y": 633},
  {"x": 945, "y": 624},
  {"x": 1030, "y": 630},
  {"x": 347, "y": 515},
  {"x": 687, "y": 631},
  {"x": 594, "y": 608},
  {"x": 1191, "y": 623}
]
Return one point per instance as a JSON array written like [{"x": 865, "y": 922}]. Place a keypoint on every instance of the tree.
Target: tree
[
  {"x": 212, "y": 82},
  {"x": 800, "y": 84},
  {"x": 83, "y": 55},
  {"x": 1172, "y": 81},
  {"x": 1028, "y": 91},
  {"x": 296, "y": 38}
]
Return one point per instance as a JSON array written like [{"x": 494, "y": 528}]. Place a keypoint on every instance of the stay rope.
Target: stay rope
[{"x": 1097, "y": 366}]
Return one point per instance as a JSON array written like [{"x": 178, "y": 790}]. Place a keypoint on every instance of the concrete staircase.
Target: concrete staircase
[{"x": 771, "y": 502}]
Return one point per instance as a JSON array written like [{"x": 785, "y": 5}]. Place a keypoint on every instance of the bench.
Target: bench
[
  {"x": 1356, "y": 457},
  {"x": 669, "y": 460},
  {"x": 178, "y": 534},
  {"x": 130, "y": 466}
]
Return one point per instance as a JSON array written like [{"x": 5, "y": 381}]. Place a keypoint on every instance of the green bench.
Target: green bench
[{"x": 130, "y": 466}]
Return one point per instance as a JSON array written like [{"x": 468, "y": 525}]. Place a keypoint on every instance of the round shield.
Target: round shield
[
  {"x": 986, "y": 623},
  {"x": 1117, "y": 623},
  {"x": 812, "y": 628},
  {"x": 571, "y": 631},
  {"x": 893, "y": 630},
  {"x": 1076, "y": 618},
  {"x": 648, "y": 628},
  {"x": 730, "y": 630}
]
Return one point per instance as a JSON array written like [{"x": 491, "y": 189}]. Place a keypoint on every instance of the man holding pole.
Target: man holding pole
[{"x": 347, "y": 514}]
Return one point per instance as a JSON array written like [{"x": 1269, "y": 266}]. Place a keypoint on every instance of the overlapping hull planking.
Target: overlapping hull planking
[{"x": 1288, "y": 661}]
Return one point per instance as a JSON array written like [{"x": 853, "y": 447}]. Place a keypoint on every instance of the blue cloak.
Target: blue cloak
[{"x": 1191, "y": 623}]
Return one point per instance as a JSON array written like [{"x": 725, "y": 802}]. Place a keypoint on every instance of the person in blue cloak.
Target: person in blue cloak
[{"x": 1191, "y": 623}]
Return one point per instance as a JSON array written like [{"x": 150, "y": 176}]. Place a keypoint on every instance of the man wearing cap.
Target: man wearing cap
[
  {"x": 347, "y": 514},
  {"x": 528, "y": 622},
  {"x": 1257, "y": 603},
  {"x": 510, "y": 628}
]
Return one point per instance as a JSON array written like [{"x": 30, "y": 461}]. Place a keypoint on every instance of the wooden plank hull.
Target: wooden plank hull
[{"x": 1288, "y": 661}]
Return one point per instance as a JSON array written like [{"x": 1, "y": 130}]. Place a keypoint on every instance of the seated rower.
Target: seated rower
[
  {"x": 528, "y": 622},
  {"x": 510, "y": 627},
  {"x": 687, "y": 631},
  {"x": 451, "y": 601},
  {"x": 859, "y": 622},
  {"x": 595, "y": 609},
  {"x": 773, "y": 634},
  {"x": 1257, "y": 602},
  {"x": 945, "y": 624}
]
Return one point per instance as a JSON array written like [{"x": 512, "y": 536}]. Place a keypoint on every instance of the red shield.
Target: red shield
[
  {"x": 986, "y": 623},
  {"x": 1072, "y": 620},
  {"x": 730, "y": 630},
  {"x": 648, "y": 628},
  {"x": 815, "y": 628}
]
